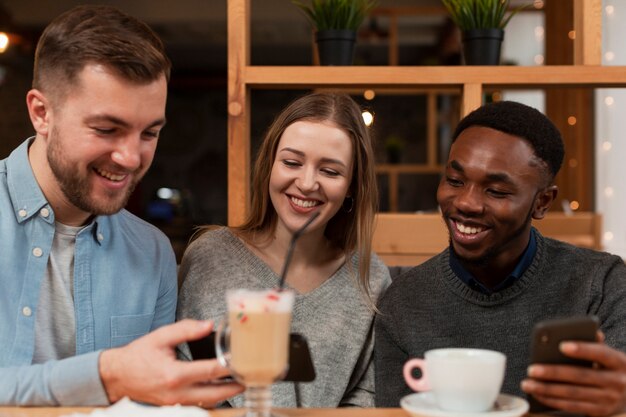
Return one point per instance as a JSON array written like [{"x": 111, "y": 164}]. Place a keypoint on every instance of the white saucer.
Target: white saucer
[{"x": 423, "y": 405}]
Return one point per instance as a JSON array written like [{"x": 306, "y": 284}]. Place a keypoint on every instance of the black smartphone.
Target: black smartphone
[
  {"x": 546, "y": 337},
  {"x": 301, "y": 367}
]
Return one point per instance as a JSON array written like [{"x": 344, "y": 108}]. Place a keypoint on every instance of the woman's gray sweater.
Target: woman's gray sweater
[{"x": 334, "y": 318}]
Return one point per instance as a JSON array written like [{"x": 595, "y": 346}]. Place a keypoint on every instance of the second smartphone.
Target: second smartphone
[{"x": 548, "y": 335}]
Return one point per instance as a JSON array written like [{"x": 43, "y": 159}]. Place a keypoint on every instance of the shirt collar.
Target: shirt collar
[
  {"x": 521, "y": 267},
  {"x": 27, "y": 197}
]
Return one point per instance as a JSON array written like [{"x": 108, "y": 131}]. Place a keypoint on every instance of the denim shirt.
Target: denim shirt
[{"x": 124, "y": 287}]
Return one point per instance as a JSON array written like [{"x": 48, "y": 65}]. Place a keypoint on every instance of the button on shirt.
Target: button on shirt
[{"x": 124, "y": 287}]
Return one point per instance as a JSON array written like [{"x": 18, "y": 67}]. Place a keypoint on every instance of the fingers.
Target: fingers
[
  {"x": 201, "y": 371},
  {"x": 577, "y": 375},
  {"x": 596, "y": 352},
  {"x": 577, "y": 399},
  {"x": 210, "y": 395},
  {"x": 180, "y": 332},
  {"x": 576, "y": 407},
  {"x": 570, "y": 392}
]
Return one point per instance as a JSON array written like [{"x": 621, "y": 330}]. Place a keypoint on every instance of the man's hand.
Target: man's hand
[
  {"x": 597, "y": 391},
  {"x": 147, "y": 370}
]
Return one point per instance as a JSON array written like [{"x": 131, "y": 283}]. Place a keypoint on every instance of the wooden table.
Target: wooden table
[
  {"x": 287, "y": 412},
  {"x": 290, "y": 412}
]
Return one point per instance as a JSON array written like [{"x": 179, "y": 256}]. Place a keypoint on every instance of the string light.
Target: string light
[
  {"x": 538, "y": 4},
  {"x": 573, "y": 163},
  {"x": 610, "y": 197},
  {"x": 574, "y": 205},
  {"x": 4, "y": 42},
  {"x": 369, "y": 94},
  {"x": 571, "y": 120},
  {"x": 571, "y": 34},
  {"x": 368, "y": 118},
  {"x": 539, "y": 32},
  {"x": 539, "y": 59}
]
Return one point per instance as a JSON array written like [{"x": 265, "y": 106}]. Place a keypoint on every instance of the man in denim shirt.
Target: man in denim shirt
[{"x": 82, "y": 279}]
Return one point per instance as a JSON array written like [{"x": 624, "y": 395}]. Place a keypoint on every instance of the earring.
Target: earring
[{"x": 348, "y": 207}]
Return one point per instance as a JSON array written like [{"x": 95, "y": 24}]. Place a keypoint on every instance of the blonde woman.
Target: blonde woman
[{"x": 315, "y": 158}]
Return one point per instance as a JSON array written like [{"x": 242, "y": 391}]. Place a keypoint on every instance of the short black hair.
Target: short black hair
[{"x": 522, "y": 121}]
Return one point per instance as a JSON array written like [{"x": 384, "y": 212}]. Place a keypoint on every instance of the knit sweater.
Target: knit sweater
[
  {"x": 429, "y": 307},
  {"x": 334, "y": 318}
]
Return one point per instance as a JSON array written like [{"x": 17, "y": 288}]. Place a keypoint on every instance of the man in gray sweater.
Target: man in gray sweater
[{"x": 499, "y": 276}]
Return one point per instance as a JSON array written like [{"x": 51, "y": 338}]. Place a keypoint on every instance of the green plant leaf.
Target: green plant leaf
[
  {"x": 336, "y": 14},
  {"x": 480, "y": 14}
]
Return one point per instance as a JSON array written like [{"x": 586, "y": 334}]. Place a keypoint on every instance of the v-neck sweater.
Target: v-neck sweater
[
  {"x": 334, "y": 317},
  {"x": 429, "y": 307}
]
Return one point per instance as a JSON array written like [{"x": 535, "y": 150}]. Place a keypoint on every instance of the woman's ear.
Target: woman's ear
[
  {"x": 39, "y": 111},
  {"x": 544, "y": 200}
]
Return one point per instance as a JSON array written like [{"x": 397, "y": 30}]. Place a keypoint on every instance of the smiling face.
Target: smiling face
[
  {"x": 312, "y": 172},
  {"x": 100, "y": 138},
  {"x": 493, "y": 186}
]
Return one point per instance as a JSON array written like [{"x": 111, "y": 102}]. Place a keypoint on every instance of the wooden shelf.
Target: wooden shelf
[
  {"x": 471, "y": 81},
  {"x": 375, "y": 76}
]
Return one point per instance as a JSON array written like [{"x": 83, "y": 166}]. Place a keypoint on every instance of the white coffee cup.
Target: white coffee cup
[{"x": 461, "y": 379}]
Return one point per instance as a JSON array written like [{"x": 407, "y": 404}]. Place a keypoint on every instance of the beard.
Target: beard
[{"x": 76, "y": 185}]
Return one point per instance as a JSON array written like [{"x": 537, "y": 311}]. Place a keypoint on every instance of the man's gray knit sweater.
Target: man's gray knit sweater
[
  {"x": 334, "y": 317},
  {"x": 429, "y": 307}
]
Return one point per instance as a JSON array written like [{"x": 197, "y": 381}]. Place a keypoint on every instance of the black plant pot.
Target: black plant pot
[
  {"x": 336, "y": 46},
  {"x": 482, "y": 46}
]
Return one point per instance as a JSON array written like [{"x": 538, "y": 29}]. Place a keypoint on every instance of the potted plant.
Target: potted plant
[
  {"x": 394, "y": 147},
  {"x": 482, "y": 24},
  {"x": 336, "y": 23}
]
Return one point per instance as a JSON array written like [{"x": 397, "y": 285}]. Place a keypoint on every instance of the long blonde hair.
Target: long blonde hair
[{"x": 350, "y": 229}]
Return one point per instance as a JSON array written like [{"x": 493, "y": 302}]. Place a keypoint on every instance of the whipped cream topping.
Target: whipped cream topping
[{"x": 263, "y": 301}]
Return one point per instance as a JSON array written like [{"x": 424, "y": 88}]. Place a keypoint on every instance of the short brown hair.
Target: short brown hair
[
  {"x": 101, "y": 35},
  {"x": 351, "y": 230}
]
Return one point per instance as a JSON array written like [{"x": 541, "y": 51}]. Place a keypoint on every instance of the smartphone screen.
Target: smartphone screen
[
  {"x": 548, "y": 335},
  {"x": 301, "y": 367}
]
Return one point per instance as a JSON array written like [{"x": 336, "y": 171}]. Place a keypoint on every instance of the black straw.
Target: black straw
[{"x": 292, "y": 244}]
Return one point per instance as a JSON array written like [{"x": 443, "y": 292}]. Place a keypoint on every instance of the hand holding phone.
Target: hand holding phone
[
  {"x": 545, "y": 345},
  {"x": 300, "y": 363}
]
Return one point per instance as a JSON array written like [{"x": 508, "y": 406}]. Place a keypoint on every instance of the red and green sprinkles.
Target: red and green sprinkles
[{"x": 242, "y": 317}]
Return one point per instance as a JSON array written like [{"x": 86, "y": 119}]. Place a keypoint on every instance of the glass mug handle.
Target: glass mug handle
[
  {"x": 222, "y": 342},
  {"x": 416, "y": 384}
]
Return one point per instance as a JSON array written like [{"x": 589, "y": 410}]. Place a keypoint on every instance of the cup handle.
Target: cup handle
[
  {"x": 222, "y": 343},
  {"x": 419, "y": 384}
]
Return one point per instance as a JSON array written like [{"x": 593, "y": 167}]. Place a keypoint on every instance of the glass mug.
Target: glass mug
[{"x": 253, "y": 342}]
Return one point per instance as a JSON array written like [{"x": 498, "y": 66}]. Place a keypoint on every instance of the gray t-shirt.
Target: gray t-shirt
[{"x": 55, "y": 327}]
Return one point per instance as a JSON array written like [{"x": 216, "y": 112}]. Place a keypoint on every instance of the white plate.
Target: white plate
[{"x": 423, "y": 404}]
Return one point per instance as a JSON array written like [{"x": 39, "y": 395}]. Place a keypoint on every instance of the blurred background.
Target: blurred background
[{"x": 186, "y": 185}]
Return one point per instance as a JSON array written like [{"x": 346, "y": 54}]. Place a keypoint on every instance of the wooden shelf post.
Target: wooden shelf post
[{"x": 238, "y": 111}]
